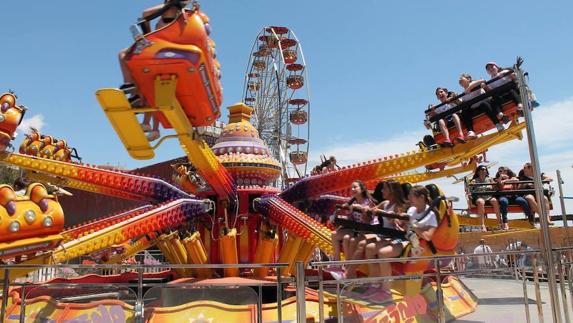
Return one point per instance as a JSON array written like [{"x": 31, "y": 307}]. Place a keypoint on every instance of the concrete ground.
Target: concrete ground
[{"x": 502, "y": 301}]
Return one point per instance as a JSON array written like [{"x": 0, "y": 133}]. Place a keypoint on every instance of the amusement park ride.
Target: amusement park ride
[{"x": 239, "y": 201}]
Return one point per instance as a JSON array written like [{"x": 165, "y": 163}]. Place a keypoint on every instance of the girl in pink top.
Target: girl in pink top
[{"x": 360, "y": 202}]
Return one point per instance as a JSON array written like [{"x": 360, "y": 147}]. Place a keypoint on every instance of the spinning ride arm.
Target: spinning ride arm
[
  {"x": 413, "y": 178},
  {"x": 178, "y": 75},
  {"x": 290, "y": 218},
  {"x": 162, "y": 217},
  {"x": 89, "y": 227},
  {"x": 93, "y": 179},
  {"x": 197, "y": 150},
  {"x": 315, "y": 186},
  {"x": 431, "y": 175}
]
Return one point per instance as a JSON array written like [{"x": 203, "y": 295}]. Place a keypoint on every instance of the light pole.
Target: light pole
[
  {"x": 546, "y": 238},
  {"x": 562, "y": 199}
]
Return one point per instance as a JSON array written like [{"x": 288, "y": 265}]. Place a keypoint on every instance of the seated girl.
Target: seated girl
[
  {"x": 422, "y": 221},
  {"x": 448, "y": 102},
  {"x": 481, "y": 176},
  {"x": 505, "y": 177},
  {"x": 359, "y": 203},
  {"x": 473, "y": 89},
  {"x": 526, "y": 174},
  {"x": 394, "y": 203},
  {"x": 505, "y": 75}
]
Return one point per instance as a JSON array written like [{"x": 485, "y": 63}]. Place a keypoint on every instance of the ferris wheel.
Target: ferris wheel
[{"x": 276, "y": 86}]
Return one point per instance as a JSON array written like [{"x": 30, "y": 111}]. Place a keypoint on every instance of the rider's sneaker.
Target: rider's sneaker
[
  {"x": 135, "y": 101},
  {"x": 126, "y": 87},
  {"x": 145, "y": 127},
  {"x": 471, "y": 135},
  {"x": 153, "y": 135},
  {"x": 447, "y": 143}
]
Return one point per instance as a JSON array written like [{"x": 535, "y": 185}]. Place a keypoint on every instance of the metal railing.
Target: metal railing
[
  {"x": 28, "y": 285},
  {"x": 456, "y": 269},
  {"x": 523, "y": 266}
]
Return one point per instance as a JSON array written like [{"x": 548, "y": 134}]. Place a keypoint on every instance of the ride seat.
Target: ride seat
[
  {"x": 11, "y": 116},
  {"x": 8, "y": 198},
  {"x": 444, "y": 240},
  {"x": 182, "y": 48},
  {"x": 481, "y": 122},
  {"x": 36, "y": 214}
]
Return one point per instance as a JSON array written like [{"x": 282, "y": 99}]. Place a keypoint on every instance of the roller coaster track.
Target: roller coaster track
[
  {"x": 164, "y": 216},
  {"x": 317, "y": 185},
  {"x": 161, "y": 217},
  {"x": 103, "y": 181}
]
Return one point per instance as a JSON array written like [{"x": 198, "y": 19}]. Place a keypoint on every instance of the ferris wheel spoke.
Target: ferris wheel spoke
[{"x": 275, "y": 80}]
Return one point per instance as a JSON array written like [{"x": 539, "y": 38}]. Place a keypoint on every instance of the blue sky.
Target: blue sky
[{"x": 373, "y": 66}]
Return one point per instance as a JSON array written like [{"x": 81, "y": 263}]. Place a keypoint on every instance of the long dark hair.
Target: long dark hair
[
  {"x": 440, "y": 88},
  {"x": 450, "y": 94},
  {"x": 420, "y": 190},
  {"x": 395, "y": 189},
  {"x": 476, "y": 172},
  {"x": 377, "y": 194},
  {"x": 364, "y": 190},
  {"x": 508, "y": 171}
]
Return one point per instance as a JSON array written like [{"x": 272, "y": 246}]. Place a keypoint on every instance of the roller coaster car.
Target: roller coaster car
[
  {"x": 182, "y": 48},
  {"x": 30, "y": 138},
  {"x": 481, "y": 122},
  {"x": 36, "y": 144},
  {"x": 64, "y": 153},
  {"x": 11, "y": 116},
  {"x": 48, "y": 147},
  {"x": 33, "y": 144},
  {"x": 443, "y": 241},
  {"x": 29, "y": 223}
]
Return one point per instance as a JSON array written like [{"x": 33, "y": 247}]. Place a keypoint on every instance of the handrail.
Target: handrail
[
  {"x": 408, "y": 259},
  {"x": 143, "y": 266},
  {"x": 509, "y": 182},
  {"x": 519, "y": 272}
]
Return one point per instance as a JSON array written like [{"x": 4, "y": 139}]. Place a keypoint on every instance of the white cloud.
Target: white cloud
[
  {"x": 552, "y": 124},
  {"x": 347, "y": 154},
  {"x": 36, "y": 121},
  {"x": 552, "y": 129}
]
